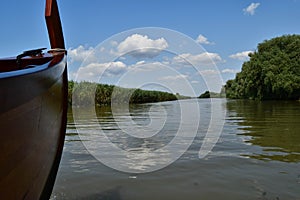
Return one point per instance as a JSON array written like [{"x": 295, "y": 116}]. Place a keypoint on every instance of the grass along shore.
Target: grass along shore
[{"x": 87, "y": 93}]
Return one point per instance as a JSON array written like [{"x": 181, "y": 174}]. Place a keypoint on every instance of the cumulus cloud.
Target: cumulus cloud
[
  {"x": 114, "y": 43},
  {"x": 243, "y": 56},
  {"x": 209, "y": 72},
  {"x": 140, "y": 62},
  {"x": 250, "y": 10},
  {"x": 142, "y": 66},
  {"x": 93, "y": 71},
  {"x": 174, "y": 78},
  {"x": 230, "y": 71},
  {"x": 115, "y": 68},
  {"x": 203, "y": 40},
  {"x": 206, "y": 59},
  {"x": 142, "y": 46},
  {"x": 80, "y": 53}
]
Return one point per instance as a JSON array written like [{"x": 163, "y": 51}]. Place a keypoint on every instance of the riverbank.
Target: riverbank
[{"x": 88, "y": 93}]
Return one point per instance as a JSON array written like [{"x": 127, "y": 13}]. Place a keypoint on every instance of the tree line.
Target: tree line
[
  {"x": 87, "y": 93},
  {"x": 273, "y": 71}
]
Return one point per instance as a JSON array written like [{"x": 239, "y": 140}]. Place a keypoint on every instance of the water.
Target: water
[{"x": 256, "y": 157}]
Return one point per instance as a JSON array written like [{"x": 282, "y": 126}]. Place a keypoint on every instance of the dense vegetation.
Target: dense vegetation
[
  {"x": 208, "y": 94},
  {"x": 273, "y": 71},
  {"x": 101, "y": 94}
]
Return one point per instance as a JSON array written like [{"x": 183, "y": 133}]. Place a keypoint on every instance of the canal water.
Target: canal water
[{"x": 256, "y": 154}]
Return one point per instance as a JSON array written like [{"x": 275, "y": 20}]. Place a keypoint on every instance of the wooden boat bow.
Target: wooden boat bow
[{"x": 33, "y": 115}]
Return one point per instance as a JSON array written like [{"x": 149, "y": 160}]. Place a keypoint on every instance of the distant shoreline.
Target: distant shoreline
[{"x": 89, "y": 93}]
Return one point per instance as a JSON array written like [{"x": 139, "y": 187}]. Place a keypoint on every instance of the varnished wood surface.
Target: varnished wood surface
[
  {"x": 10, "y": 64},
  {"x": 32, "y": 133},
  {"x": 33, "y": 110},
  {"x": 54, "y": 25}
]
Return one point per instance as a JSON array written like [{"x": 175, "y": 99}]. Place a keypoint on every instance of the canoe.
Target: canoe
[{"x": 33, "y": 110}]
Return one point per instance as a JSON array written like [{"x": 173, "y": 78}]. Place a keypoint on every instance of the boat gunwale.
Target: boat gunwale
[{"x": 54, "y": 60}]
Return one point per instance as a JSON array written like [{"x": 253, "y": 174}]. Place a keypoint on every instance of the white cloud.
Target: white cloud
[
  {"x": 174, "y": 78},
  {"x": 206, "y": 59},
  {"x": 140, "y": 62},
  {"x": 114, "y": 43},
  {"x": 142, "y": 66},
  {"x": 142, "y": 46},
  {"x": 251, "y": 8},
  {"x": 209, "y": 72},
  {"x": 94, "y": 71},
  {"x": 243, "y": 56},
  {"x": 203, "y": 40},
  {"x": 102, "y": 49},
  {"x": 115, "y": 68},
  {"x": 230, "y": 71},
  {"x": 80, "y": 53}
]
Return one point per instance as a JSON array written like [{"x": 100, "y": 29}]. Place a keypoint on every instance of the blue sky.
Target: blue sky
[{"x": 227, "y": 30}]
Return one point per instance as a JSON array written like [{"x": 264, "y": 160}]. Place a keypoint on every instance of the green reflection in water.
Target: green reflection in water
[{"x": 272, "y": 125}]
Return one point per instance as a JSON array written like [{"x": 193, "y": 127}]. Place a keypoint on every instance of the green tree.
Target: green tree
[
  {"x": 273, "y": 71},
  {"x": 206, "y": 94}
]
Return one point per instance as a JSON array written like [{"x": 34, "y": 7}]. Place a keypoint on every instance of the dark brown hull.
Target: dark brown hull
[{"x": 32, "y": 126}]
